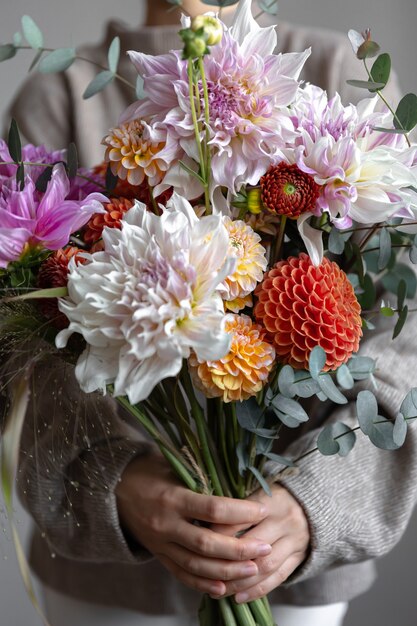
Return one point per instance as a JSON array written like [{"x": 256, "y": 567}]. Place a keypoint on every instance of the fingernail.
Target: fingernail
[
  {"x": 241, "y": 597},
  {"x": 264, "y": 549},
  {"x": 217, "y": 590},
  {"x": 250, "y": 570}
]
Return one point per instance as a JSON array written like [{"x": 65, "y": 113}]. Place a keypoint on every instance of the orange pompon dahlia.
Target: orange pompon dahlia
[
  {"x": 115, "y": 209},
  {"x": 243, "y": 371},
  {"x": 302, "y": 306},
  {"x": 286, "y": 190},
  {"x": 132, "y": 151},
  {"x": 250, "y": 255},
  {"x": 54, "y": 273}
]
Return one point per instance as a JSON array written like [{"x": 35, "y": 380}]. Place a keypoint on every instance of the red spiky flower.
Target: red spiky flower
[
  {"x": 286, "y": 190},
  {"x": 115, "y": 209}
]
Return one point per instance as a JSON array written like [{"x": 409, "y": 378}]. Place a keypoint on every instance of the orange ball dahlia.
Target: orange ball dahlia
[
  {"x": 302, "y": 306},
  {"x": 115, "y": 209},
  {"x": 243, "y": 371},
  {"x": 286, "y": 190}
]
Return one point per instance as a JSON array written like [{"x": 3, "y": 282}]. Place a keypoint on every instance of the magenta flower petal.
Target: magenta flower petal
[{"x": 12, "y": 242}]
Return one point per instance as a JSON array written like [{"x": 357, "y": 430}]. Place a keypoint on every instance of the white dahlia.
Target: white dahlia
[{"x": 148, "y": 298}]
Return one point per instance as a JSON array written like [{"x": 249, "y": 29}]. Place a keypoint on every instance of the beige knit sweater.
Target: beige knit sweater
[{"x": 75, "y": 447}]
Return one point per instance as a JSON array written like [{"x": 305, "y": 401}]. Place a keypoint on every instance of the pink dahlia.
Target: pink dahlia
[
  {"x": 30, "y": 218},
  {"x": 249, "y": 89}
]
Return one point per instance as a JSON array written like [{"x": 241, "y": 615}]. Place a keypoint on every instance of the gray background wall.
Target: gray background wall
[{"x": 393, "y": 600}]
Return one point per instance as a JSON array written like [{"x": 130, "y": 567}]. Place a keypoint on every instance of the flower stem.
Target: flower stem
[
  {"x": 227, "y": 613},
  {"x": 262, "y": 612},
  {"x": 190, "y": 69},
  {"x": 385, "y": 101},
  {"x": 201, "y": 430},
  {"x": 244, "y": 615},
  {"x": 207, "y": 135},
  {"x": 276, "y": 250}
]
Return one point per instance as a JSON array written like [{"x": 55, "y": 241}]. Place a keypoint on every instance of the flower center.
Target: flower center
[{"x": 287, "y": 190}]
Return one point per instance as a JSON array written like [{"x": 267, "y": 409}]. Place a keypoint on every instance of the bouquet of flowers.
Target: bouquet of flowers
[{"x": 218, "y": 270}]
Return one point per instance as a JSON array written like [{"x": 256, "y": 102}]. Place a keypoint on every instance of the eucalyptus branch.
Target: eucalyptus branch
[
  {"x": 387, "y": 104},
  {"x": 268, "y": 6}
]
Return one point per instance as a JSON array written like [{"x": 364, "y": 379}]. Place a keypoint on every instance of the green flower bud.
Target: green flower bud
[
  {"x": 211, "y": 27},
  {"x": 197, "y": 47}
]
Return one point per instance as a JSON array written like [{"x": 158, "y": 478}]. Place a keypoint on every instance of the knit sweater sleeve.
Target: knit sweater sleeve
[
  {"x": 74, "y": 449},
  {"x": 358, "y": 506}
]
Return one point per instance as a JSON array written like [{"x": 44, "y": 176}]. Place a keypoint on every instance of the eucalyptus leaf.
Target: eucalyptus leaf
[
  {"x": 392, "y": 131},
  {"x": 114, "y": 54},
  {"x": 99, "y": 82},
  {"x": 408, "y": 407},
  {"x": 413, "y": 252},
  {"x": 401, "y": 294},
  {"x": 337, "y": 240},
  {"x": 367, "y": 410},
  {"x": 387, "y": 311},
  {"x": 317, "y": 361},
  {"x": 391, "y": 279},
  {"x": 287, "y": 420},
  {"x": 406, "y": 113},
  {"x": 7, "y": 51},
  {"x": 242, "y": 457},
  {"x": 269, "y": 6},
  {"x": 344, "y": 377},
  {"x": 336, "y": 438},
  {"x": 290, "y": 407},
  {"x": 249, "y": 414},
  {"x": 57, "y": 61},
  {"x": 72, "y": 161},
  {"x": 361, "y": 367},
  {"x": 367, "y": 298},
  {"x": 17, "y": 39},
  {"x": 277, "y": 458},
  {"x": 32, "y": 32},
  {"x": 402, "y": 318},
  {"x": 384, "y": 248},
  {"x": 399, "y": 431},
  {"x": 304, "y": 386},
  {"x": 263, "y": 445},
  {"x": 219, "y": 3},
  {"x": 261, "y": 480},
  {"x": 14, "y": 143},
  {"x": 367, "y": 50},
  {"x": 330, "y": 390},
  {"x": 381, "y": 69},
  {"x": 140, "y": 92},
  {"x": 370, "y": 85},
  {"x": 285, "y": 381}
]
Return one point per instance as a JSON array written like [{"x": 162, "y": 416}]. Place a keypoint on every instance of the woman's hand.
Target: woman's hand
[
  {"x": 160, "y": 514},
  {"x": 286, "y": 530}
]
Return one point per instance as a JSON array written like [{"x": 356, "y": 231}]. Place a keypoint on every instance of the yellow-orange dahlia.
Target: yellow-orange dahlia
[
  {"x": 132, "y": 151},
  {"x": 115, "y": 209},
  {"x": 243, "y": 371},
  {"x": 302, "y": 306},
  {"x": 250, "y": 255}
]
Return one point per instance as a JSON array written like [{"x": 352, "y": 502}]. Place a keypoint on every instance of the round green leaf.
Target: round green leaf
[
  {"x": 406, "y": 113},
  {"x": 402, "y": 318},
  {"x": 361, "y": 367},
  {"x": 367, "y": 410},
  {"x": 290, "y": 407},
  {"x": 344, "y": 377},
  {"x": 408, "y": 407},
  {"x": 219, "y": 3},
  {"x": 32, "y": 32},
  {"x": 57, "y": 61},
  {"x": 384, "y": 248},
  {"x": 114, "y": 54},
  {"x": 98, "y": 84},
  {"x": 370, "y": 85},
  {"x": 381, "y": 69},
  {"x": 399, "y": 432},
  {"x": 286, "y": 380},
  {"x": 330, "y": 390},
  {"x": 336, "y": 438},
  {"x": 317, "y": 361},
  {"x": 367, "y": 50},
  {"x": 391, "y": 279},
  {"x": 7, "y": 51},
  {"x": 269, "y": 6}
]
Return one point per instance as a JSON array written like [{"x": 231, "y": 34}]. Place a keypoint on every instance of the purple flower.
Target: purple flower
[{"x": 29, "y": 218}]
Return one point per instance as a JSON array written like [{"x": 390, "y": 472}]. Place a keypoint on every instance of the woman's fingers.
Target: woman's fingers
[
  {"x": 211, "y": 568},
  {"x": 218, "y": 510},
  {"x": 267, "y": 584},
  {"x": 204, "y": 585},
  {"x": 204, "y": 541}
]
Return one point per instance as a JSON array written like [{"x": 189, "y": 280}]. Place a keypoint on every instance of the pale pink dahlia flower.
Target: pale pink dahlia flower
[
  {"x": 364, "y": 175},
  {"x": 149, "y": 298},
  {"x": 249, "y": 88}
]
